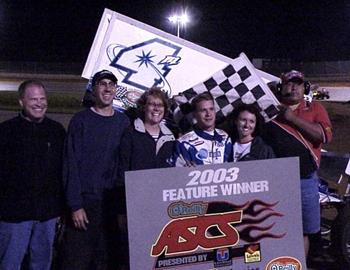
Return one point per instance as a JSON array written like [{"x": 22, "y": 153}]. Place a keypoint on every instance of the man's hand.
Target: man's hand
[
  {"x": 80, "y": 219},
  {"x": 286, "y": 113},
  {"x": 311, "y": 130}
]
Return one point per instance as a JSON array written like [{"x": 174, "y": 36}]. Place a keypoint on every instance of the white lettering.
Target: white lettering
[
  {"x": 245, "y": 187},
  {"x": 210, "y": 176},
  {"x": 190, "y": 193}
]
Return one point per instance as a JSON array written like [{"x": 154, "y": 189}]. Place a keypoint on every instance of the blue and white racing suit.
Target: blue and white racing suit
[{"x": 200, "y": 147}]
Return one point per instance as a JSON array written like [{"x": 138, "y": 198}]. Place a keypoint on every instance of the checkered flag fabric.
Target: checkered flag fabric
[
  {"x": 237, "y": 83},
  {"x": 121, "y": 92}
]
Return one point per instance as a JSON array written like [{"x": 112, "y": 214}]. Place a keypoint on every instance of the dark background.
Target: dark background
[{"x": 63, "y": 31}]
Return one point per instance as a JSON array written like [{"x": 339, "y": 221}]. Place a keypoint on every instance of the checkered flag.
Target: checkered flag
[
  {"x": 237, "y": 83},
  {"x": 121, "y": 92}
]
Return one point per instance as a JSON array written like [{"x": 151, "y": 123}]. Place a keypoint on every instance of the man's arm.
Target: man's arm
[
  {"x": 313, "y": 131},
  {"x": 72, "y": 185},
  {"x": 124, "y": 157},
  {"x": 124, "y": 164}
]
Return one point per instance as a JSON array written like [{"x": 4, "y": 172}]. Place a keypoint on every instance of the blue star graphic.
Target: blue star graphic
[{"x": 145, "y": 58}]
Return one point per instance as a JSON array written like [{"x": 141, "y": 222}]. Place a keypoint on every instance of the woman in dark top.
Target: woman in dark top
[
  {"x": 247, "y": 144},
  {"x": 146, "y": 144}
]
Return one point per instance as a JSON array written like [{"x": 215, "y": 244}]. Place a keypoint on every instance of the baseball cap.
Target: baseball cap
[
  {"x": 103, "y": 74},
  {"x": 292, "y": 75}
]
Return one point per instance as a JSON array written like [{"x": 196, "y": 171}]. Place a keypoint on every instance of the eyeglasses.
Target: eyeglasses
[
  {"x": 154, "y": 105},
  {"x": 107, "y": 84}
]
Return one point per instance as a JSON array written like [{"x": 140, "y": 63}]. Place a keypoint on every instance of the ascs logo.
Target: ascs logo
[
  {"x": 185, "y": 235},
  {"x": 145, "y": 64}
]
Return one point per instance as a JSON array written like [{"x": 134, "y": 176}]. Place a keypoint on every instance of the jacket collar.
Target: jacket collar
[
  {"x": 207, "y": 136},
  {"x": 166, "y": 134},
  {"x": 140, "y": 127}
]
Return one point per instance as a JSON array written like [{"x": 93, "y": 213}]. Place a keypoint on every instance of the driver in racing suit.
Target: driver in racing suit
[{"x": 205, "y": 144}]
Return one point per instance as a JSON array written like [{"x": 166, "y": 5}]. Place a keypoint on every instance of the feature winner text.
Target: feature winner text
[{"x": 212, "y": 183}]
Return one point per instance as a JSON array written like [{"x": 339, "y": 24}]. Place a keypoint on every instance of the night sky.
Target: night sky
[{"x": 63, "y": 31}]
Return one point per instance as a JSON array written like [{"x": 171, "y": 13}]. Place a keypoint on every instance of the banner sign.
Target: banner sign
[
  {"x": 142, "y": 56},
  {"x": 244, "y": 215}
]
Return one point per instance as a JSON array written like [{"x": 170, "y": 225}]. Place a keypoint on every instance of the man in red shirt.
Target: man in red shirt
[{"x": 300, "y": 130}]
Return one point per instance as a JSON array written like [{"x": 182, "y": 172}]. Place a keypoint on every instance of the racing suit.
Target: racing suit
[{"x": 200, "y": 147}]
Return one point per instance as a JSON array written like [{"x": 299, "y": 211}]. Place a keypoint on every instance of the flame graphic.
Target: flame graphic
[{"x": 254, "y": 213}]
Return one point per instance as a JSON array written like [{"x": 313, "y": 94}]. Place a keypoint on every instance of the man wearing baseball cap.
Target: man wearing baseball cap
[
  {"x": 300, "y": 130},
  {"x": 90, "y": 162},
  {"x": 88, "y": 99}
]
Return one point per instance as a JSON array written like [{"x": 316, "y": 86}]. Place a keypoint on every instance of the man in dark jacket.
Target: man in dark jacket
[
  {"x": 90, "y": 163},
  {"x": 30, "y": 181}
]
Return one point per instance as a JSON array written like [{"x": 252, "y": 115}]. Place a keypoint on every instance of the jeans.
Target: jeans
[
  {"x": 311, "y": 212},
  {"x": 32, "y": 237}
]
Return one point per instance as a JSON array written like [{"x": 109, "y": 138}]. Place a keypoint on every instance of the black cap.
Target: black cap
[{"x": 103, "y": 74}]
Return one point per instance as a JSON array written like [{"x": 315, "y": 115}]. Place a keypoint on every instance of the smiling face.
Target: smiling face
[
  {"x": 34, "y": 103},
  {"x": 104, "y": 92},
  {"x": 205, "y": 115},
  {"x": 154, "y": 110},
  {"x": 245, "y": 123}
]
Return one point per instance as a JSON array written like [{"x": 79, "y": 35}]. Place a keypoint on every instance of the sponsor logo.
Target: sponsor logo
[
  {"x": 252, "y": 253},
  {"x": 182, "y": 209},
  {"x": 222, "y": 254},
  {"x": 215, "y": 154},
  {"x": 222, "y": 258},
  {"x": 284, "y": 263},
  {"x": 202, "y": 154}
]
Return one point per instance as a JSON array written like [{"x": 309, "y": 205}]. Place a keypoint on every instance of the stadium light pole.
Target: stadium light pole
[{"x": 179, "y": 20}]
